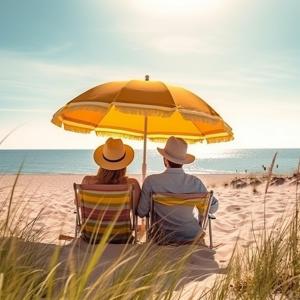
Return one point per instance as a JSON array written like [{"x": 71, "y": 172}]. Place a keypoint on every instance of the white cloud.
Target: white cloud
[
  {"x": 183, "y": 45},
  {"x": 23, "y": 110},
  {"x": 42, "y": 87},
  {"x": 44, "y": 84}
]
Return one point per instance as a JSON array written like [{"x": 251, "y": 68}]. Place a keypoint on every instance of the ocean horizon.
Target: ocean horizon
[{"x": 229, "y": 161}]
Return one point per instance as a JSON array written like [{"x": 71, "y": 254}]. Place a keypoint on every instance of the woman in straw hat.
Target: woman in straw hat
[{"x": 113, "y": 158}]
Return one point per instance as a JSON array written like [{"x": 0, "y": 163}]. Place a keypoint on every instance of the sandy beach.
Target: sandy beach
[{"x": 241, "y": 209}]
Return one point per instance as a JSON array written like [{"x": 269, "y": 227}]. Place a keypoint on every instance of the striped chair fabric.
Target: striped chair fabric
[
  {"x": 202, "y": 201},
  {"x": 104, "y": 205}
]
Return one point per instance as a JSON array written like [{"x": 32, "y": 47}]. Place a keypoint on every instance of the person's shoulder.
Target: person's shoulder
[
  {"x": 132, "y": 180},
  {"x": 153, "y": 177},
  {"x": 194, "y": 178},
  {"x": 88, "y": 179}
]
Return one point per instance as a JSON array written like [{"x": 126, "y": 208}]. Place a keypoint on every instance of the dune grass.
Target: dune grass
[
  {"x": 33, "y": 271},
  {"x": 270, "y": 268},
  {"x": 30, "y": 270}
]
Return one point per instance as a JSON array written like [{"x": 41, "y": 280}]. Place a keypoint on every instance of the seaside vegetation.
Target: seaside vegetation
[
  {"x": 270, "y": 268},
  {"x": 30, "y": 269}
]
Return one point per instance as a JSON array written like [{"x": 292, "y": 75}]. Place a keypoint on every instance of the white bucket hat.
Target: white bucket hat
[
  {"x": 175, "y": 151},
  {"x": 113, "y": 155}
]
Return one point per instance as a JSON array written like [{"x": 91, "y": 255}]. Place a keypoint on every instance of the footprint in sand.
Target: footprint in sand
[
  {"x": 65, "y": 206},
  {"x": 279, "y": 211},
  {"x": 227, "y": 229},
  {"x": 233, "y": 208}
]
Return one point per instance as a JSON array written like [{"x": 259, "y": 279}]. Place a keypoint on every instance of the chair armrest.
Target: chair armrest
[{"x": 211, "y": 216}]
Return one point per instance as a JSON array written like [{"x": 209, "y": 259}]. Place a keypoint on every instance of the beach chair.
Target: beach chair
[
  {"x": 201, "y": 201},
  {"x": 104, "y": 207}
]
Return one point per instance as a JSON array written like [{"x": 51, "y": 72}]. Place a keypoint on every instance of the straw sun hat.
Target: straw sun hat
[
  {"x": 175, "y": 151},
  {"x": 113, "y": 155}
]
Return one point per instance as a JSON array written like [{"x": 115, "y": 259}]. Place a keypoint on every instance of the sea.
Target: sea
[{"x": 81, "y": 161}]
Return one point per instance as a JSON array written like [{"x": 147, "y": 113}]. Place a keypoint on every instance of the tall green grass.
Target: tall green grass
[
  {"x": 30, "y": 269},
  {"x": 34, "y": 270},
  {"x": 270, "y": 268},
  {"x": 267, "y": 269}
]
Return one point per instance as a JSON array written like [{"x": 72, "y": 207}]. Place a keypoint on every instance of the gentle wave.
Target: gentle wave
[{"x": 81, "y": 161}]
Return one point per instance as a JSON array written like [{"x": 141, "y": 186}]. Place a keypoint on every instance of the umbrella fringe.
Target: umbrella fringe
[
  {"x": 76, "y": 129},
  {"x": 56, "y": 121},
  {"x": 119, "y": 135},
  {"x": 115, "y": 97},
  {"x": 57, "y": 118},
  {"x": 196, "y": 140},
  {"x": 138, "y": 137},
  {"x": 220, "y": 139},
  {"x": 200, "y": 117},
  {"x": 88, "y": 106},
  {"x": 163, "y": 140},
  {"x": 144, "y": 111}
]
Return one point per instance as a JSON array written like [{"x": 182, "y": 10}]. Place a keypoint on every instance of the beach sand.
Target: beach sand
[{"x": 240, "y": 210}]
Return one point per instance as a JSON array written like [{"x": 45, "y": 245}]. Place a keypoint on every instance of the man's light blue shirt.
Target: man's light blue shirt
[{"x": 182, "y": 222}]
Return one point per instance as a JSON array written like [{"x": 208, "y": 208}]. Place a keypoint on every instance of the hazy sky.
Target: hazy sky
[{"x": 241, "y": 56}]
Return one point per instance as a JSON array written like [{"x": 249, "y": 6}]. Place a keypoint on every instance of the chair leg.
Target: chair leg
[
  {"x": 135, "y": 228},
  {"x": 147, "y": 229},
  {"x": 210, "y": 234},
  {"x": 77, "y": 226}
]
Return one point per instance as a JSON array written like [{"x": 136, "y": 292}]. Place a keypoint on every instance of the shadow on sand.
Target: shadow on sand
[{"x": 199, "y": 263}]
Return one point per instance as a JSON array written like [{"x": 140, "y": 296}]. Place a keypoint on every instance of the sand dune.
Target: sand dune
[{"x": 52, "y": 196}]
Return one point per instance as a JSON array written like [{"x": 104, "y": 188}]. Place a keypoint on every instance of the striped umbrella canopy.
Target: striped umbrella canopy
[{"x": 143, "y": 109}]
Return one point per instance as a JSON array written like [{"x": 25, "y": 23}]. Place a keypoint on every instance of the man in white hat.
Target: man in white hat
[{"x": 179, "y": 225}]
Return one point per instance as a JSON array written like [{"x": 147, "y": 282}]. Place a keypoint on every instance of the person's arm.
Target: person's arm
[
  {"x": 145, "y": 200},
  {"x": 214, "y": 203},
  {"x": 85, "y": 180},
  {"x": 136, "y": 191}
]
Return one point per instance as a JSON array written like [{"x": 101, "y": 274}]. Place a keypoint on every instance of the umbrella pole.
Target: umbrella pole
[{"x": 144, "y": 166}]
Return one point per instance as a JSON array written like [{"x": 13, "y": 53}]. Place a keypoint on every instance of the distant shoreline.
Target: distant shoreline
[
  {"x": 79, "y": 162},
  {"x": 139, "y": 174},
  {"x": 138, "y": 149}
]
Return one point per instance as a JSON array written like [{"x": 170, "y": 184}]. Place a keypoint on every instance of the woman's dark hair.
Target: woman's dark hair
[
  {"x": 174, "y": 165},
  {"x": 105, "y": 176}
]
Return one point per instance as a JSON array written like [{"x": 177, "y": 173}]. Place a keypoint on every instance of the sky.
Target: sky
[{"x": 241, "y": 56}]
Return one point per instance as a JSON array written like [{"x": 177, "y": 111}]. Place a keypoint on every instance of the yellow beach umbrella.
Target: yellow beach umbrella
[{"x": 143, "y": 109}]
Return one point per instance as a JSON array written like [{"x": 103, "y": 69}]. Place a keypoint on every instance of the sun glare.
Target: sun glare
[{"x": 174, "y": 7}]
